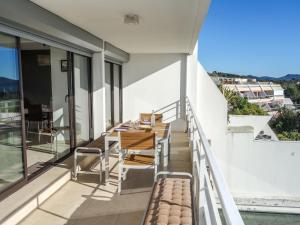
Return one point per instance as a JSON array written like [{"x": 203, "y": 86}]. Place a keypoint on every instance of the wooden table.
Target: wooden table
[{"x": 163, "y": 131}]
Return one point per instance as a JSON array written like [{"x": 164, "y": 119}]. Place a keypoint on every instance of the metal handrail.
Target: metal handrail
[{"x": 229, "y": 208}]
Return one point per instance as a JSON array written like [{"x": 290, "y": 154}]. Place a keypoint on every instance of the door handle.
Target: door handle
[{"x": 66, "y": 98}]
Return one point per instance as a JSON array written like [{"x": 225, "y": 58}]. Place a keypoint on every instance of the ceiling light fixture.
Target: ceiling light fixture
[{"x": 131, "y": 19}]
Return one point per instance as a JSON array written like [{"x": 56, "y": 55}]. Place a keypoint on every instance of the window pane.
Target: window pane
[
  {"x": 108, "y": 95},
  {"x": 81, "y": 81},
  {"x": 11, "y": 157},
  {"x": 117, "y": 94}
]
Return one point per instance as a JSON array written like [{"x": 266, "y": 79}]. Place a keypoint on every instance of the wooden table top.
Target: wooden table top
[{"x": 162, "y": 130}]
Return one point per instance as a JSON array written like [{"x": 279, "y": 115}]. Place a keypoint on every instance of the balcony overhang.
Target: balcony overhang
[{"x": 169, "y": 26}]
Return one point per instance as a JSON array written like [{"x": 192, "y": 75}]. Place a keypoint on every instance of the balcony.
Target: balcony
[
  {"x": 99, "y": 74},
  {"x": 87, "y": 202}
]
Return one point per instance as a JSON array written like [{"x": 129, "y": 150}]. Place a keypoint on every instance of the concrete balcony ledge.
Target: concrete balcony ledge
[{"x": 21, "y": 203}]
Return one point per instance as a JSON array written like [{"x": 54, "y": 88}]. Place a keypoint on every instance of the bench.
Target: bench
[{"x": 170, "y": 201}]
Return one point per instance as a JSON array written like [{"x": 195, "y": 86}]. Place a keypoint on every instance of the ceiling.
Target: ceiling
[{"x": 165, "y": 26}]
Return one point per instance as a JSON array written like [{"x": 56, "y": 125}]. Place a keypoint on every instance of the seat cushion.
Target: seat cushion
[
  {"x": 171, "y": 203},
  {"x": 139, "y": 160}
]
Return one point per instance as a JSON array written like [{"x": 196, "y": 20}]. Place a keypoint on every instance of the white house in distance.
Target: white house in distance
[
  {"x": 265, "y": 94},
  {"x": 268, "y": 95},
  {"x": 77, "y": 69}
]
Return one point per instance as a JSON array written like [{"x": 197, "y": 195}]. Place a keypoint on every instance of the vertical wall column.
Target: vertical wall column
[
  {"x": 183, "y": 93},
  {"x": 98, "y": 78}
]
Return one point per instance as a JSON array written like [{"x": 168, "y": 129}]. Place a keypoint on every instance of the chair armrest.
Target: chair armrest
[
  {"x": 104, "y": 133},
  {"x": 98, "y": 150}
]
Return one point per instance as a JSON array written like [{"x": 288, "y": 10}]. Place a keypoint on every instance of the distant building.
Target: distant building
[{"x": 268, "y": 95}]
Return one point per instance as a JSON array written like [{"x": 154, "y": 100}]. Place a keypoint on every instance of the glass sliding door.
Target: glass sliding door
[
  {"x": 45, "y": 88},
  {"x": 11, "y": 153},
  {"x": 45, "y": 107},
  {"x": 82, "y": 98},
  {"x": 59, "y": 102},
  {"x": 113, "y": 94}
]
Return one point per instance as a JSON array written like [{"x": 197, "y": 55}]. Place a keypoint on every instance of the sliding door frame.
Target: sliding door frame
[
  {"x": 112, "y": 91},
  {"x": 90, "y": 100},
  {"x": 121, "y": 91},
  {"x": 24, "y": 150},
  {"x": 71, "y": 100},
  {"x": 22, "y": 181}
]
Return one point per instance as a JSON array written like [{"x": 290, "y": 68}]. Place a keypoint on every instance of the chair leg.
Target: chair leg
[
  {"x": 156, "y": 166},
  {"x": 125, "y": 174},
  {"x": 75, "y": 166},
  {"x": 120, "y": 173},
  {"x": 100, "y": 169},
  {"x": 155, "y": 171},
  {"x": 120, "y": 180},
  {"x": 39, "y": 133}
]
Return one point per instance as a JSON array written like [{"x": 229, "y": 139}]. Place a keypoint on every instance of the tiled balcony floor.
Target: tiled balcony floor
[{"x": 85, "y": 202}]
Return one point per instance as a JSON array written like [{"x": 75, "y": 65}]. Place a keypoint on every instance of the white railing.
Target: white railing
[{"x": 208, "y": 179}]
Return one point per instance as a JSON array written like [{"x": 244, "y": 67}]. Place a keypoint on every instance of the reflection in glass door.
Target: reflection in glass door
[
  {"x": 45, "y": 87},
  {"x": 11, "y": 154},
  {"x": 82, "y": 99}
]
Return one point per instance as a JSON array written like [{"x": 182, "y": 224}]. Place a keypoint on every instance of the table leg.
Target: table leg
[
  {"x": 56, "y": 150},
  {"x": 106, "y": 153},
  {"x": 165, "y": 151},
  {"x": 52, "y": 139},
  {"x": 169, "y": 148}
]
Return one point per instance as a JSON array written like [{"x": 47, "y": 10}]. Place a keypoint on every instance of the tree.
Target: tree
[
  {"x": 286, "y": 124},
  {"x": 286, "y": 120},
  {"x": 240, "y": 106},
  {"x": 292, "y": 91}
]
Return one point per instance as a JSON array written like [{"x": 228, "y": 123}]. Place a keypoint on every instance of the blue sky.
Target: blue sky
[
  {"x": 8, "y": 63},
  {"x": 258, "y": 37}
]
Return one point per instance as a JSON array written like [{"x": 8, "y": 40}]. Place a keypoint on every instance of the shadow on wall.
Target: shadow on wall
[
  {"x": 170, "y": 112},
  {"x": 152, "y": 82}
]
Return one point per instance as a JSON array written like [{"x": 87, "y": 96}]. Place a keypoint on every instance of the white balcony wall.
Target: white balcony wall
[
  {"x": 154, "y": 82},
  {"x": 210, "y": 106},
  {"x": 263, "y": 169},
  {"x": 257, "y": 122}
]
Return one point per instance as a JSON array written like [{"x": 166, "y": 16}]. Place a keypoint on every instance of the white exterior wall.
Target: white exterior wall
[
  {"x": 153, "y": 82},
  {"x": 209, "y": 104},
  {"x": 278, "y": 93},
  {"x": 253, "y": 169},
  {"x": 257, "y": 122},
  {"x": 262, "y": 169}
]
